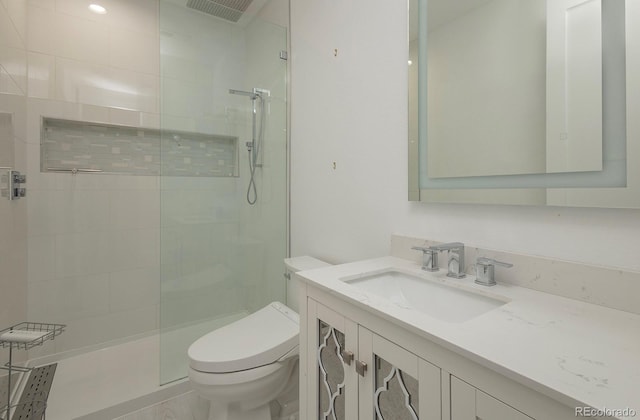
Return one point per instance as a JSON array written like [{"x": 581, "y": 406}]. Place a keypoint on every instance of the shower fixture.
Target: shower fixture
[{"x": 257, "y": 136}]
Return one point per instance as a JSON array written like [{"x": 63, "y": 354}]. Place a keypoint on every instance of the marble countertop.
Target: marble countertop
[{"x": 577, "y": 353}]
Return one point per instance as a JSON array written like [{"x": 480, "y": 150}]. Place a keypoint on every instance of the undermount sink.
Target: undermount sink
[{"x": 447, "y": 303}]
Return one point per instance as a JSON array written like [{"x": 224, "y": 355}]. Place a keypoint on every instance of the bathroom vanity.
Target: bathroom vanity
[{"x": 373, "y": 345}]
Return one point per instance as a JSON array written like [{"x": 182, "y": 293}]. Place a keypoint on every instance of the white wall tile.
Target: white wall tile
[
  {"x": 37, "y": 180},
  {"x": 41, "y": 253},
  {"x": 141, "y": 91},
  {"x": 18, "y": 12},
  {"x": 131, "y": 322},
  {"x": 41, "y": 76},
  {"x": 42, "y": 26},
  {"x": 184, "y": 68},
  {"x": 141, "y": 15},
  {"x": 75, "y": 80},
  {"x": 93, "y": 84},
  {"x": 67, "y": 36},
  {"x": 149, "y": 120},
  {"x": 69, "y": 298},
  {"x": 9, "y": 35},
  {"x": 14, "y": 62},
  {"x": 132, "y": 289},
  {"x": 93, "y": 330},
  {"x": 172, "y": 122},
  {"x": 124, "y": 117},
  {"x": 44, "y": 4},
  {"x": 80, "y": 9},
  {"x": 7, "y": 84},
  {"x": 6, "y": 140},
  {"x": 134, "y": 50},
  {"x": 82, "y": 253},
  {"x": 184, "y": 98},
  {"x": 94, "y": 113},
  {"x": 132, "y": 182},
  {"x": 134, "y": 248},
  {"x": 68, "y": 211},
  {"x": 38, "y": 108},
  {"x": 91, "y": 182},
  {"x": 16, "y": 105},
  {"x": 80, "y": 210},
  {"x": 134, "y": 209},
  {"x": 41, "y": 220}
]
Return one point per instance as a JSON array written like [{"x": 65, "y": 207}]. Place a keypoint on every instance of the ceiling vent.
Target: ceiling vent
[{"x": 230, "y": 10}]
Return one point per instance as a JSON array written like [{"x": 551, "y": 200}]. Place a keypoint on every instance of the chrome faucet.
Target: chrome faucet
[
  {"x": 455, "y": 264},
  {"x": 485, "y": 270},
  {"x": 429, "y": 258}
]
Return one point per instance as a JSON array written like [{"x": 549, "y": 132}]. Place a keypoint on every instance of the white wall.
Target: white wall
[{"x": 351, "y": 109}]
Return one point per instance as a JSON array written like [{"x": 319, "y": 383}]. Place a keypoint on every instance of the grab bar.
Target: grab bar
[{"x": 74, "y": 170}]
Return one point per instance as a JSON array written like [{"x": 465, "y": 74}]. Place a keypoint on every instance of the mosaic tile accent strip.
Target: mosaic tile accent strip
[{"x": 84, "y": 147}]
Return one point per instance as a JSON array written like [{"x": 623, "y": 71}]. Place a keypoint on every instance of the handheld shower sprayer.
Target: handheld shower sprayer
[{"x": 253, "y": 146}]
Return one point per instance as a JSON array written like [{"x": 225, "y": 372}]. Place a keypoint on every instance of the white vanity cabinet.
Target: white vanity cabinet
[
  {"x": 357, "y": 374},
  {"x": 407, "y": 375},
  {"x": 469, "y": 403}
]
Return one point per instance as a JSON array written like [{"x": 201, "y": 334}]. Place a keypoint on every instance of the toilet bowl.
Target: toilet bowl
[{"x": 244, "y": 366}]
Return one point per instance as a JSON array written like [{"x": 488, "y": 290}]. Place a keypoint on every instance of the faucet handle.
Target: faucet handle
[
  {"x": 429, "y": 258},
  {"x": 422, "y": 248},
  {"x": 490, "y": 261},
  {"x": 485, "y": 268}
]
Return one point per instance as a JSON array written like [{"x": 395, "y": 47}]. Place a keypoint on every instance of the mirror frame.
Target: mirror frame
[{"x": 618, "y": 185}]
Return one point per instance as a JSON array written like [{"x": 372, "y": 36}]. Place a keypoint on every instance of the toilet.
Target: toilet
[{"x": 244, "y": 366}]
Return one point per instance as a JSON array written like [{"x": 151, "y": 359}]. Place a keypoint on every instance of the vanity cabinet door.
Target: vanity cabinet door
[
  {"x": 397, "y": 385},
  {"x": 332, "y": 382},
  {"x": 469, "y": 403},
  {"x": 356, "y": 374}
]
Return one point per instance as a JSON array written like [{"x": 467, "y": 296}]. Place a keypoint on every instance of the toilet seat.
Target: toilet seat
[
  {"x": 257, "y": 340},
  {"x": 233, "y": 378}
]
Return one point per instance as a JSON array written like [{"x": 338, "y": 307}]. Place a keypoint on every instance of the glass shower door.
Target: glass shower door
[{"x": 221, "y": 257}]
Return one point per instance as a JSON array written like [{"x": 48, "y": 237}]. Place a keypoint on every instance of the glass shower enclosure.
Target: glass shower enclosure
[{"x": 220, "y": 257}]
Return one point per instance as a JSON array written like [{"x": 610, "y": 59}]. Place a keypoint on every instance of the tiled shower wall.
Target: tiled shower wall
[
  {"x": 13, "y": 88},
  {"x": 94, "y": 240}
]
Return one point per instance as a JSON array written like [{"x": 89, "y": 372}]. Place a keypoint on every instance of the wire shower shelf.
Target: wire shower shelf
[{"x": 27, "y": 335}]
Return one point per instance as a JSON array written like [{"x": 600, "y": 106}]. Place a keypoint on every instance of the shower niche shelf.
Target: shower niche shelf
[
  {"x": 79, "y": 147},
  {"x": 25, "y": 336}
]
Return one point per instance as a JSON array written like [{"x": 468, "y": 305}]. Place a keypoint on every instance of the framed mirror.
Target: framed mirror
[{"x": 524, "y": 102}]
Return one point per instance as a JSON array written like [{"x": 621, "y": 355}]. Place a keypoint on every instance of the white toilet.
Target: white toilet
[{"x": 245, "y": 365}]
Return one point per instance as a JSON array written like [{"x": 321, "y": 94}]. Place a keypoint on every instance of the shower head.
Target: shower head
[{"x": 252, "y": 95}]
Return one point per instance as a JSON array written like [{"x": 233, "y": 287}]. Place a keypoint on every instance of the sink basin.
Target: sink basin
[{"x": 440, "y": 301}]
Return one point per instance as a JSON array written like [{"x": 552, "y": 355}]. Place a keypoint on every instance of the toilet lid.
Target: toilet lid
[{"x": 258, "y": 339}]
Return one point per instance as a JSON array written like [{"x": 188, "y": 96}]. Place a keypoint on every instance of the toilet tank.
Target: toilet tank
[{"x": 293, "y": 288}]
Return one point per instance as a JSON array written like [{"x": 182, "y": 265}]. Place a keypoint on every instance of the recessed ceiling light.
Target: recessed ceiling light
[
  {"x": 96, "y": 8},
  {"x": 410, "y": 62}
]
